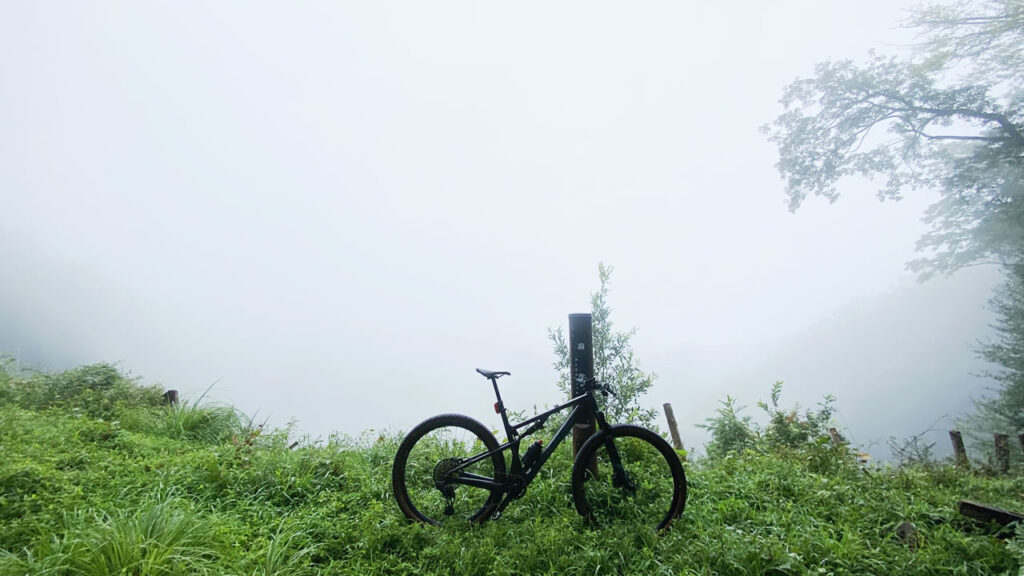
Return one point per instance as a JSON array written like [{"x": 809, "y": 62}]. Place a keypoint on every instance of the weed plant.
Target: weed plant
[{"x": 136, "y": 488}]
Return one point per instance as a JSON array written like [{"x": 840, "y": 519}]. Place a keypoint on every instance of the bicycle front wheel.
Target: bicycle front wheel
[
  {"x": 431, "y": 459},
  {"x": 628, "y": 474}
]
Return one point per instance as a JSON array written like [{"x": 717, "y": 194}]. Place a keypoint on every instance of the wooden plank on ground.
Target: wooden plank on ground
[{"x": 988, "y": 513}]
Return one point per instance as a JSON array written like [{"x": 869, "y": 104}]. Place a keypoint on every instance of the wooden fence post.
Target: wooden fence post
[
  {"x": 672, "y": 427},
  {"x": 959, "y": 452},
  {"x": 1002, "y": 452},
  {"x": 837, "y": 440}
]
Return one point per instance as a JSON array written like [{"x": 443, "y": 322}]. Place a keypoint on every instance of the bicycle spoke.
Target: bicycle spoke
[
  {"x": 425, "y": 482},
  {"x": 631, "y": 479}
]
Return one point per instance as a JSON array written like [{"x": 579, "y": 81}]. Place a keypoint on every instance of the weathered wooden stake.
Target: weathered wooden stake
[
  {"x": 672, "y": 427},
  {"x": 1002, "y": 452},
  {"x": 171, "y": 397},
  {"x": 959, "y": 452},
  {"x": 837, "y": 440}
]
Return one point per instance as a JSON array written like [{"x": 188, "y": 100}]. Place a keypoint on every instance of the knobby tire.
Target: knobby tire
[
  {"x": 655, "y": 493},
  {"x": 421, "y": 459}
]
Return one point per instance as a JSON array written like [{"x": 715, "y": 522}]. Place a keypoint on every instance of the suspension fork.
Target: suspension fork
[{"x": 620, "y": 478}]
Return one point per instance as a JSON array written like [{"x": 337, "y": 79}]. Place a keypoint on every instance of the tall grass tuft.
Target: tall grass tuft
[
  {"x": 286, "y": 554},
  {"x": 97, "y": 390},
  {"x": 190, "y": 421},
  {"x": 51, "y": 557},
  {"x": 198, "y": 423},
  {"x": 159, "y": 539}
]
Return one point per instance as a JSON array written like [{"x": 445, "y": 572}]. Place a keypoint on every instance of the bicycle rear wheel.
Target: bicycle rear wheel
[
  {"x": 629, "y": 474},
  {"x": 426, "y": 462}
]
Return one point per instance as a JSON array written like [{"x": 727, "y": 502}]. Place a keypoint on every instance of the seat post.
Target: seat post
[{"x": 499, "y": 407}]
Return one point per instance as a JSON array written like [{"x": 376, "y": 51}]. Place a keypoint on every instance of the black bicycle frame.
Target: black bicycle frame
[{"x": 582, "y": 405}]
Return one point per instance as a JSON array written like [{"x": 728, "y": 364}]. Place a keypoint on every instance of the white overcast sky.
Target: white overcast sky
[{"x": 336, "y": 210}]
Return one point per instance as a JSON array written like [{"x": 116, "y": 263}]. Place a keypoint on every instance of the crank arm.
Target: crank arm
[{"x": 501, "y": 507}]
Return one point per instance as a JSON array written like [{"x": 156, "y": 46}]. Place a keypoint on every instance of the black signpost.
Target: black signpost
[{"x": 581, "y": 365}]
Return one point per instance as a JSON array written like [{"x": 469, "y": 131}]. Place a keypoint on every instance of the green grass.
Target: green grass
[{"x": 132, "y": 487}]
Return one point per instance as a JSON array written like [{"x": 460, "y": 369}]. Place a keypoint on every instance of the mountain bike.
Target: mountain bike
[{"x": 451, "y": 469}]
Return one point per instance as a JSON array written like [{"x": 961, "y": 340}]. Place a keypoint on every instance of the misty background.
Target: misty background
[{"x": 333, "y": 212}]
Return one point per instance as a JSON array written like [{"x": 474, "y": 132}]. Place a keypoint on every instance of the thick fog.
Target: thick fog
[{"x": 333, "y": 212}]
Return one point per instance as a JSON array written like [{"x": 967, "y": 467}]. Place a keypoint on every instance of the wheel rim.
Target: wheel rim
[
  {"x": 434, "y": 454},
  {"x": 646, "y": 495}
]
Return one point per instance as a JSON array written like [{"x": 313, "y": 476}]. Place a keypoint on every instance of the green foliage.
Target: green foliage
[
  {"x": 158, "y": 538},
  {"x": 286, "y": 554},
  {"x": 788, "y": 432},
  {"x": 614, "y": 361},
  {"x": 1005, "y": 410},
  {"x": 1002, "y": 411},
  {"x": 787, "y": 428},
  {"x": 729, "y": 432},
  {"x": 192, "y": 421},
  {"x": 948, "y": 118},
  {"x": 1016, "y": 545},
  {"x": 83, "y": 496},
  {"x": 97, "y": 391}
]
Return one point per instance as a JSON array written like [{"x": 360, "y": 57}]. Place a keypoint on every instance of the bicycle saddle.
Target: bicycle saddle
[{"x": 492, "y": 374}]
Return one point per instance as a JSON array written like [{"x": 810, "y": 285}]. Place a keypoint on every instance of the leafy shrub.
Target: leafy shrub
[
  {"x": 23, "y": 486},
  {"x": 788, "y": 432},
  {"x": 729, "y": 432},
  {"x": 787, "y": 428},
  {"x": 614, "y": 362},
  {"x": 97, "y": 391}
]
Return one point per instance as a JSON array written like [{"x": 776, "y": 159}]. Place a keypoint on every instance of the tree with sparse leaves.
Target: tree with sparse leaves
[
  {"x": 949, "y": 117},
  {"x": 614, "y": 361}
]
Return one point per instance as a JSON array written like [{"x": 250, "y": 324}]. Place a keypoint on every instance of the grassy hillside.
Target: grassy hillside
[{"x": 98, "y": 477}]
